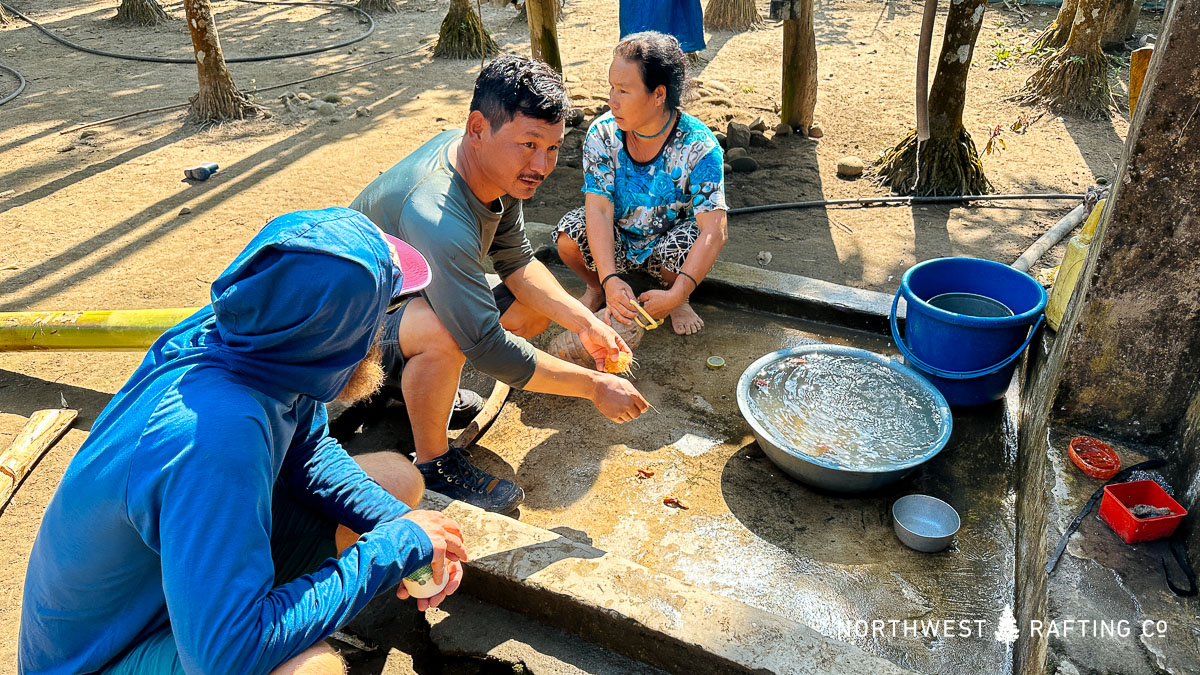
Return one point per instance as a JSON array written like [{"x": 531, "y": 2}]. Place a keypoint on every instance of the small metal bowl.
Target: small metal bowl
[{"x": 924, "y": 523}]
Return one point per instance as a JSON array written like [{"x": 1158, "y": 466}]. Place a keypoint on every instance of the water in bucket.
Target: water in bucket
[{"x": 970, "y": 304}]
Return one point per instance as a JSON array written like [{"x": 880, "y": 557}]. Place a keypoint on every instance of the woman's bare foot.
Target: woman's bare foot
[
  {"x": 592, "y": 298},
  {"x": 685, "y": 320}
]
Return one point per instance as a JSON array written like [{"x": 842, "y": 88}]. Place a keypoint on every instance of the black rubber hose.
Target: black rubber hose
[
  {"x": 237, "y": 59},
  {"x": 20, "y": 85},
  {"x": 897, "y": 201}
]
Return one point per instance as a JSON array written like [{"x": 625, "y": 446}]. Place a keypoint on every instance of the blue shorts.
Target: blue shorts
[{"x": 301, "y": 540}]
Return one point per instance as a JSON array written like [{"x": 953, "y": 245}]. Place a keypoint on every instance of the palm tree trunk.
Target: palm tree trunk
[
  {"x": 462, "y": 35},
  {"x": 378, "y": 6},
  {"x": 1075, "y": 79},
  {"x": 218, "y": 99},
  {"x": 947, "y": 163},
  {"x": 1056, "y": 33},
  {"x": 732, "y": 15}
]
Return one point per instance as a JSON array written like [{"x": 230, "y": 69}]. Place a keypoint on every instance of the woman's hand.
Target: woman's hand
[
  {"x": 617, "y": 295},
  {"x": 659, "y": 303}
]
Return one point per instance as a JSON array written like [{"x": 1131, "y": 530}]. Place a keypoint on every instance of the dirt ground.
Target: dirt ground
[{"x": 102, "y": 219}]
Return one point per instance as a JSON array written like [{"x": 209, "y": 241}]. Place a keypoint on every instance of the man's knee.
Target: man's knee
[
  {"x": 395, "y": 474},
  {"x": 320, "y": 659},
  {"x": 523, "y": 321},
  {"x": 423, "y": 333}
]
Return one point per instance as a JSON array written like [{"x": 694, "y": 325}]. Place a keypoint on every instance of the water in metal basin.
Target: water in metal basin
[{"x": 846, "y": 410}]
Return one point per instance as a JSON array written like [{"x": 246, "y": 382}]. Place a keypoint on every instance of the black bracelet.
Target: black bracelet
[
  {"x": 695, "y": 284},
  {"x": 614, "y": 274}
]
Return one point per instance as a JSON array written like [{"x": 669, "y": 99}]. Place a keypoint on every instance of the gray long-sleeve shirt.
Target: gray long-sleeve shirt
[{"x": 427, "y": 203}]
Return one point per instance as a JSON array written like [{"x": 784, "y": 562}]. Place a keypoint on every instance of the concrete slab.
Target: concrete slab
[
  {"x": 465, "y": 626},
  {"x": 647, "y": 616},
  {"x": 751, "y": 533}
]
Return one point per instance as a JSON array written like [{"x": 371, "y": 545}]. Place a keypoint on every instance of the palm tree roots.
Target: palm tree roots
[
  {"x": 463, "y": 36},
  {"x": 1070, "y": 83},
  {"x": 948, "y": 166}
]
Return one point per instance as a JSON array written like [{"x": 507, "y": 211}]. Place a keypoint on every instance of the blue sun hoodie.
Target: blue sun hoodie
[{"x": 165, "y": 512}]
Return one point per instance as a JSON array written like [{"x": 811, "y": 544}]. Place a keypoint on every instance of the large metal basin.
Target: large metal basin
[{"x": 823, "y": 473}]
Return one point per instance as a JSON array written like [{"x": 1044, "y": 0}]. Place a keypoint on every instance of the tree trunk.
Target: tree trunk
[
  {"x": 377, "y": 6},
  {"x": 732, "y": 15},
  {"x": 1117, "y": 24},
  {"x": 948, "y": 163},
  {"x": 1056, "y": 33},
  {"x": 141, "y": 13},
  {"x": 543, "y": 31},
  {"x": 218, "y": 99},
  {"x": 799, "y": 68},
  {"x": 1075, "y": 79},
  {"x": 462, "y": 35}
]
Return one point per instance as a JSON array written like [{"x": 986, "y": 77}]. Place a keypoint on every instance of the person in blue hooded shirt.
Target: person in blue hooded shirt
[{"x": 198, "y": 529}]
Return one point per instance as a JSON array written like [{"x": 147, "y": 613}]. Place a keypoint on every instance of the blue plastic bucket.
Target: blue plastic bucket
[{"x": 969, "y": 357}]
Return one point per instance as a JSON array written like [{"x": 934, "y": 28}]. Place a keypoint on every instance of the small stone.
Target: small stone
[
  {"x": 734, "y": 153},
  {"x": 717, "y": 85},
  {"x": 815, "y": 131},
  {"x": 304, "y": 97},
  {"x": 362, "y": 111},
  {"x": 88, "y": 133},
  {"x": 849, "y": 167},
  {"x": 759, "y": 124},
  {"x": 737, "y": 135},
  {"x": 764, "y": 258},
  {"x": 743, "y": 164},
  {"x": 184, "y": 211},
  {"x": 727, "y": 167},
  {"x": 720, "y": 138},
  {"x": 323, "y": 108},
  {"x": 67, "y": 148},
  {"x": 331, "y": 97},
  {"x": 759, "y": 140},
  {"x": 286, "y": 95},
  {"x": 589, "y": 111},
  {"x": 573, "y": 79},
  {"x": 783, "y": 129}
]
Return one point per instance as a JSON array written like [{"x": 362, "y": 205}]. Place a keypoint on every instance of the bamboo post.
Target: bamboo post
[
  {"x": 120, "y": 330},
  {"x": 40, "y": 433},
  {"x": 799, "y": 65},
  {"x": 543, "y": 32},
  {"x": 1139, "y": 61}
]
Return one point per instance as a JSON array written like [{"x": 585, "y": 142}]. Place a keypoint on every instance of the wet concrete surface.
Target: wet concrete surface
[
  {"x": 1134, "y": 624},
  {"x": 751, "y": 533}
]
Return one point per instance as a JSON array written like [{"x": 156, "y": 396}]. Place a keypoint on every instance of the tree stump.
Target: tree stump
[
  {"x": 218, "y": 99},
  {"x": 732, "y": 15},
  {"x": 947, "y": 163},
  {"x": 462, "y": 35},
  {"x": 141, "y": 13}
]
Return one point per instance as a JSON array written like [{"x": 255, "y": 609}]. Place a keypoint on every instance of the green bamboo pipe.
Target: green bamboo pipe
[{"x": 122, "y": 330}]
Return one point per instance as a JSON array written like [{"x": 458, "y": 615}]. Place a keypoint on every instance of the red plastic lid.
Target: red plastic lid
[{"x": 1094, "y": 457}]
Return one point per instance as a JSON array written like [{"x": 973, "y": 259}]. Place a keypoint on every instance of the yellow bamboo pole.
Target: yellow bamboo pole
[
  {"x": 98, "y": 331},
  {"x": 1139, "y": 62}
]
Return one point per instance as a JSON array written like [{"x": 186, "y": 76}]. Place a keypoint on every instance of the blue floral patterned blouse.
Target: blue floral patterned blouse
[{"x": 687, "y": 177}]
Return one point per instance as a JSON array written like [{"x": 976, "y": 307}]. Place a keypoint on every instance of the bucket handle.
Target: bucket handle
[{"x": 912, "y": 359}]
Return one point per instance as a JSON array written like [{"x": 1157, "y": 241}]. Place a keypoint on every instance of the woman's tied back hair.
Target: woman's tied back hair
[
  {"x": 661, "y": 61},
  {"x": 511, "y": 85}
]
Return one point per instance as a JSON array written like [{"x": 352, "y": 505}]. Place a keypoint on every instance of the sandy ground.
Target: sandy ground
[{"x": 97, "y": 220}]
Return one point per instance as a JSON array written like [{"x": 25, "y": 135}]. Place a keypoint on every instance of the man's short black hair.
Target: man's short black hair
[{"x": 511, "y": 84}]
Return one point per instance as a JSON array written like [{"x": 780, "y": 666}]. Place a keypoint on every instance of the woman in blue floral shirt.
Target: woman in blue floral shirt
[{"x": 655, "y": 190}]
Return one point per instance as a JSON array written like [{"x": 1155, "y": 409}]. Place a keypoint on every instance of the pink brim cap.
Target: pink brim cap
[{"x": 414, "y": 269}]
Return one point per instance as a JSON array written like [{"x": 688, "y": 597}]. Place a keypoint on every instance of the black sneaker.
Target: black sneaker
[
  {"x": 454, "y": 476},
  {"x": 467, "y": 404}
]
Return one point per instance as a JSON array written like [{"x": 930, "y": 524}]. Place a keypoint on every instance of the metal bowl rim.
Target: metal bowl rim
[
  {"x": 743, "y": 397},
  {"x": 901, "y": 525}
]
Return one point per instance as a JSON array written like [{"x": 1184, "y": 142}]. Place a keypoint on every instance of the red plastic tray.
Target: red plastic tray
[{"x": 1117, "y": 501}]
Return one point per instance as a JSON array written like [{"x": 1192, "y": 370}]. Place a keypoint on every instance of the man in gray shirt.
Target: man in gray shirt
[{"x": 457, "y": 200}]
